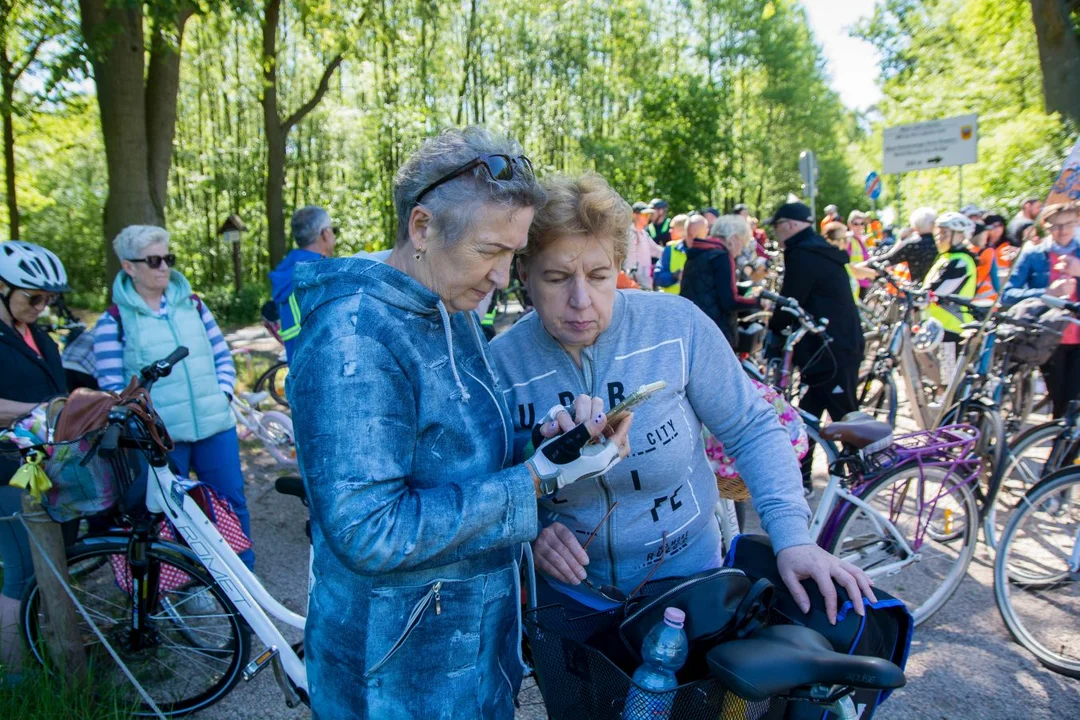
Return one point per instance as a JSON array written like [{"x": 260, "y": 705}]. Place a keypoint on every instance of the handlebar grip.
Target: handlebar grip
[
  {"x": 112, "y": 436},
  {"x": 1061, "y": 303},
  {"x": 176, "y": 355},
  {"x": 778, "y": 299}
]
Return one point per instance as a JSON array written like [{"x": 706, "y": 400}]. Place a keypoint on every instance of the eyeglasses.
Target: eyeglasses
[
  {"x": 610, "y": 592},
  {"x": 499, "y": 168},
  {"x": 1063, "y": 226},
  {"x": 856, "y": 223},
  {"x": 332, "y": 228},
  {"x": 36, "y": 300},
  {"x": 154, "y": 261}
]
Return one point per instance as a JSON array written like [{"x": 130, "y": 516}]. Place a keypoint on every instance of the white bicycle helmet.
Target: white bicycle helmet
[
  {"x": 928, "y": 336},
  {"x": 32, "y": 267},
  {"x": 957, "y": 222}
]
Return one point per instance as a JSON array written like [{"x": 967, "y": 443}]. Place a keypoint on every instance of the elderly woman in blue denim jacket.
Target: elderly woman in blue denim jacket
[{"x": 406, "y": 447}]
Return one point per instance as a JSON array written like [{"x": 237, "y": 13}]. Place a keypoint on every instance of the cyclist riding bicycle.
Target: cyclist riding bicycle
[
  {"x": 31, "y": 278},
  {"x": 314, "y": 235}
]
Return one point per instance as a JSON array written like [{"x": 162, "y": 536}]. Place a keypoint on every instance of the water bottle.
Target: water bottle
[{"x": 664, "y": 651}]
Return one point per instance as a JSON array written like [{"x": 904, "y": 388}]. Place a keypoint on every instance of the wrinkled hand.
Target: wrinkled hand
[
  {"x": 1009, "y": 254},
  {"x": 559, "y": 554},
  {"x": 804, "y": 562},
  {"x": 1064, "y": 287},
  {"x": 1068, "y": 265},
  {"x": 590, "y": 410}
]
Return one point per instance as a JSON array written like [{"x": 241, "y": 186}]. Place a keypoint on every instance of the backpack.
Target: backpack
[
  {"x": 113, "y": 311},
  {"x": 884, "y": 631},
  {"x": 1028, "y": 346}
]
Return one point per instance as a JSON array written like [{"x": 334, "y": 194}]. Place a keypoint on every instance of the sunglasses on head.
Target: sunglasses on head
[
  {"x": 39, "y": 300},
  {"x": 499, "y": 168},
  {"x": 154, "y": 261}
]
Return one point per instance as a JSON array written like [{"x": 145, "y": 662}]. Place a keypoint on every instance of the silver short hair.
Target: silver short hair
[
  {"x": 731, "y": 226},
  {"x": 453, "y": 204},
  {"x": 133, "y": 239},
  {"x": 922, "y": 219},
  {"x": 307, "y": 223}
]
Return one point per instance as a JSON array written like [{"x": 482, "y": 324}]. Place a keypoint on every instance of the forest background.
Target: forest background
[{"x": 184, "y": 112}]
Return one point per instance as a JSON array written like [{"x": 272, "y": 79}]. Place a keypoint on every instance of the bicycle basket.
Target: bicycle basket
[
  {"x": 83, "y": 481},
  {"x": 579, "y": 680},
  {"x": 951, "y": 447}
]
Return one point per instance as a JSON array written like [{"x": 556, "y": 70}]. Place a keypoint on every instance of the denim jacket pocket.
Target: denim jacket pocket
[{"x": 439, "y": 622}]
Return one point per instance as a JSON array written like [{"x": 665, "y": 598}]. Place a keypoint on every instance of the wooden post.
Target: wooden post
[
  {"x": 237, "y": 270},
  {"x": 62, "y": 637}
]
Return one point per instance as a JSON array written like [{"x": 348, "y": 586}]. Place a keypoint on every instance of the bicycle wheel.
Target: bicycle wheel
[
  {"x": 273, "y": 382},
  {"x": 1025, "y": 462},
  {"x": 927, "y": 575},
  {"x": 877, "y": 397},
  {"x": 990, "y": 448},
  {"x": 276, "y": 434},
  {"x": 197, "y": 642},
  {"x": 1037, "y": 572}
]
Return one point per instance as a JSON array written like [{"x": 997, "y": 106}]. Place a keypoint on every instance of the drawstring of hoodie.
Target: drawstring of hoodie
[{"x": 450, "y": 347}]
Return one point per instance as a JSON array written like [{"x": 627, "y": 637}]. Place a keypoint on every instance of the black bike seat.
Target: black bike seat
[
  {"x": 291, "y": 485},
  {"x": 860, "y": 431},
  {"x": 778, "y": 659}
]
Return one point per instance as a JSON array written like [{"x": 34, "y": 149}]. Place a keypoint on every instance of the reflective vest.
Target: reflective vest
[
  {"x": 984, "y": 283},
  {"x": 953, "y": 322},
  {"x": 289, "y": 332},
  {"x": 676, "y": 262},
  {"x": 665, "y": 227}
]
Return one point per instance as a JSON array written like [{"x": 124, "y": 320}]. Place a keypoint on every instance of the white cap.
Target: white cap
[{"x": 674, "y": 617}]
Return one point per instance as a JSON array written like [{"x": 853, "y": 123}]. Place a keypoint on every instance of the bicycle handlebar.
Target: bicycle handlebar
[
  {"x": 155, "y": 371},
  {"x": 790, "y": 305},
  {"x": 1062, "y": 303}
]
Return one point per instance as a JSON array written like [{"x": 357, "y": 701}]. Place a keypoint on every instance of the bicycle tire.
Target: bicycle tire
[
  {"x": 230, "y": 654},
  {"x": 846, "y": 544},
  {"x": 1019, "y": 475},
  {"x": 1005, "y": 581},
  {"x": 878, "y": 401},
  {"x": 274, "y": 385},
  {"x": 991, "y": 448},
  {"x": 276, "y": 435}
]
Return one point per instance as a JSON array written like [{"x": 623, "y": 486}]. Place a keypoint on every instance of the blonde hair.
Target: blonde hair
[
  {"x": 680, "y": 220},
  {"x": 856, "y": 215},
  {"x": 582, "y": 205}
]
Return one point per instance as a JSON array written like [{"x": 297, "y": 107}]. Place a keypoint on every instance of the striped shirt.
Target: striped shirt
[{"x": 109, "y": 351}]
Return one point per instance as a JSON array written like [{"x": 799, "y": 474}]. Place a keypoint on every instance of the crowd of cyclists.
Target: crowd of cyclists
[{"x": 418, "y": 441}]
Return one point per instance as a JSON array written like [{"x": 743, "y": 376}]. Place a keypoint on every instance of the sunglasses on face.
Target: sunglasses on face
[
  {"x": 858, "y": 224},
  {"x": 499, "y": 168},
  {"x": 35, "y": 300},
  {"x": 154, "y": 261}
]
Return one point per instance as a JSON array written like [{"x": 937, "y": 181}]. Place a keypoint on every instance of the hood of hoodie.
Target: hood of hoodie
[
  {"x": 124, "y": 293},
  {"x": 281, "y": 277},
  {"x": 704, "y": 246},
  {"x": 809, "y": 241},
  {"x": 319, "y": 283}
]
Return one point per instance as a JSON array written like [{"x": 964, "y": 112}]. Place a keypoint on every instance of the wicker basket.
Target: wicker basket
[{"x": 732, "y": 489}]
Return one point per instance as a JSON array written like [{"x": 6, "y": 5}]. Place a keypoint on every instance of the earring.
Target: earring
[{"x": 419, "y": 253}]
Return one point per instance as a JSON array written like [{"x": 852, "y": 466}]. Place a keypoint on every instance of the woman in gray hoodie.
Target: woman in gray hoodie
[{"x": 588, "y": 339}]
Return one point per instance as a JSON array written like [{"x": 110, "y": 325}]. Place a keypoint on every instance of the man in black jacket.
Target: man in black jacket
[{"x": 815, "y": 276}]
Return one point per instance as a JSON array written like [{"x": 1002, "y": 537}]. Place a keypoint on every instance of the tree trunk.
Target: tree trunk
[
  {"x": 9, "y": 164},
  {"x": 1059, "y": 55},
  {"x": 275, "y": 137},
  {"x": 138, "y": 111}
]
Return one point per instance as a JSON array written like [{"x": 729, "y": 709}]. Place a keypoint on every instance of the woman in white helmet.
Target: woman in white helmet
[
  {"x": 955, "y": 272},
  {"x": 31, "y": 278}
]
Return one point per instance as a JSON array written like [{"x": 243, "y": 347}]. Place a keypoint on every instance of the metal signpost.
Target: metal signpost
[
  {"x": 809, "y": 171},
  {"x": 872, "y": 188}
]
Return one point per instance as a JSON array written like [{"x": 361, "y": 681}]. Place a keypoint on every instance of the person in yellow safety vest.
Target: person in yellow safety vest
[
  {"x": 856, "y": 245},
  {"x": 836, "y": 234},
  {"x": 955, "y": 272},
  {"x": 669, "y": 270}
]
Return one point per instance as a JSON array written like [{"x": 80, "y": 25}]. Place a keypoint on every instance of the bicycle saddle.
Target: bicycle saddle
[
  {"x": 860, "y": 431},
  {"x": 779, "y": 659},
  {"x": 291, "y": 485}
]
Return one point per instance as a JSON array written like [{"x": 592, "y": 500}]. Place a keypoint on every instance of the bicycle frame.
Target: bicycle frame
[{"x": 166, "y": 495}]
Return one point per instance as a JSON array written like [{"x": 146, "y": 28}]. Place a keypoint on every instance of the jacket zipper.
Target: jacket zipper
[{"x": 415, "y": 616}]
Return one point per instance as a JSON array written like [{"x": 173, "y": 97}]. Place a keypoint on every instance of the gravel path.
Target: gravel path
[{"x": 963, "y": 662}]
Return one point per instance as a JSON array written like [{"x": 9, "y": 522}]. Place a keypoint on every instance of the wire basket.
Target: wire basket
[
  {"x": 582, "y": 672},
  {"x": 952, "y": 447},
  {"x": 84, "y": 482}
]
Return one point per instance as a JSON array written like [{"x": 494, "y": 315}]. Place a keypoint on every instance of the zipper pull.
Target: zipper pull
[{"x": 438, "y": 598}]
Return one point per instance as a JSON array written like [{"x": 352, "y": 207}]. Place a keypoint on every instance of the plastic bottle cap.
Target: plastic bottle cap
[{"x": 674, "y": 617}]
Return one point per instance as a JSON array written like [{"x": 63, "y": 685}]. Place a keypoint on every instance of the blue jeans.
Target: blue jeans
[
  {"x": 216, "y": 462},
  {"x": 14, "y": 546}
]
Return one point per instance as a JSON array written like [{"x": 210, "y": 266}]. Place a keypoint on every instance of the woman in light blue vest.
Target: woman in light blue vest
[{"x": 156, "y": 311}]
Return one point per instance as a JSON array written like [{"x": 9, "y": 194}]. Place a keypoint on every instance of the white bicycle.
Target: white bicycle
[
  {"x": 181, "y": 616},
  {"x": 271, "y": 428}
]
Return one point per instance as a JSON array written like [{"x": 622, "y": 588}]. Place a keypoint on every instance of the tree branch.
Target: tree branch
[
  {"x": 31, "y": 55},
  {"x": 316, "y": 98}
]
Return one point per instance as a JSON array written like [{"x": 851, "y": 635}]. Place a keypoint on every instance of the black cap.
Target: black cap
[
  {"x": 991, "y": 219},
  {"x": 739, "y": 208},
  {"x": 658, "y": 204},
  {"x": 707, "y": 210},
  {"x": 791, "y": 211}
]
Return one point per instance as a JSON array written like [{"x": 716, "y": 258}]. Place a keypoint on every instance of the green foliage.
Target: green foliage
[
  {"x": 231, "y": 308},
  {"x": 47, "y": 697},
  {"x": 951, "y": 57}
]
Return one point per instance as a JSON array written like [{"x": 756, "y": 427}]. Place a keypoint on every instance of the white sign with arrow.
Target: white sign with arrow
[{"x": 933, "y": 144}]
